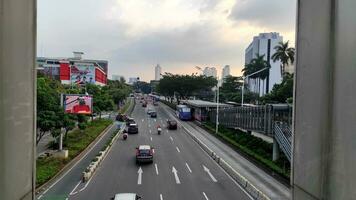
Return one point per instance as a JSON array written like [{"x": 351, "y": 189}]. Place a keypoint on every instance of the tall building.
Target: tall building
[
  {"x": 158, "y": 71},
  {"x": 74, "y": 70},
  {"x": 116, "y": 77},
  {"x": 133, "y": 80},
  {"x": 210, "y": 71},
  {"x": 225, "y": 72},
  {"x": 264, "y": 44}
]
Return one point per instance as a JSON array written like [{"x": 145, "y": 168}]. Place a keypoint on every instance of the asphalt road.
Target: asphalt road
[{"x": 180, "y": 170}]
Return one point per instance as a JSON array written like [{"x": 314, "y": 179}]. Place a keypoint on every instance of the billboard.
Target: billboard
[
  {"x": 81, "y": 74},
  {"x": 78, "y": 103}
]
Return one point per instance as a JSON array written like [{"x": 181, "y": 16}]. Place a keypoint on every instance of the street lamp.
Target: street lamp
[
  {"x": 243, "y": 83},
  {"x": 217, "y": 101}
]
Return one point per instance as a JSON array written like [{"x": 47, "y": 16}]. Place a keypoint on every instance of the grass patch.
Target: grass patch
[
  {"x": 76, "y": 142},
  {"x": 46, "y": 168},
  {"x": 254, "y": 147}
]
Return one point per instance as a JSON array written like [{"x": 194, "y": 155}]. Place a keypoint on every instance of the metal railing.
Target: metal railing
[{"x": 283, "y": 136}]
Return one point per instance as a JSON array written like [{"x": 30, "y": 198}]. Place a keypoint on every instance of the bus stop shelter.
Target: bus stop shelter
[{"x": 200, "y": 109}]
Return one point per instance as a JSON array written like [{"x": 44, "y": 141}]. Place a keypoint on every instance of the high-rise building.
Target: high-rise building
[
  {"x": 210, "y": 71},
  {"x": 116, "y": 77},
  {"x": 225, "y": 72},
  {"x": 158, "y": 70},
  {"x": 264, "y": 44}
]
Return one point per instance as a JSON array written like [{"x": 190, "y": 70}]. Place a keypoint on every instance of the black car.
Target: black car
[
  {"x": 172, "y": 124},
  {"x": 153, "y": 114},
  {"x": 133, "y": 128}
]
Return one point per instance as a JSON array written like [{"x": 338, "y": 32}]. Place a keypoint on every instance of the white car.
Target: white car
[{"x": 126, "y": 196}]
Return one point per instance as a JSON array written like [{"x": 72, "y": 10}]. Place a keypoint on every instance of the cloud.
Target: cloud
[{"x": 274, "y": 14}]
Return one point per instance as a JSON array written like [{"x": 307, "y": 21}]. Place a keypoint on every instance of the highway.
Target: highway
[{"x": 180, "y": 170}]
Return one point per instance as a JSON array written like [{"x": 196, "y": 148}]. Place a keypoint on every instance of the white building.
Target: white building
[
  {"x": 158, "y": 71},
  {"x": 133, "y": 80},
  {"x": 225, "y": 72},
  {"x": 210, "y": 71},
  {"x": 264, "y": 44}
]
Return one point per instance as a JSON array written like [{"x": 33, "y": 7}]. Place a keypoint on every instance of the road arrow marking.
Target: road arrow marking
[
  {"x": 156, "y": 168},
  {"x": 139, "y": 180},
  {"x": 178, "y": 149},
  {"x": 175, "y": 172},
  {"x": 186, "y": 164},
  {"x": 209, "y": 173},
  {"x": 206, "y": 197}
]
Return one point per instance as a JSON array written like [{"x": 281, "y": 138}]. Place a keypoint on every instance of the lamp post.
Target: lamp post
[
  {"x": 243, "y": 83},
  {"x": 217, "y": 101}
]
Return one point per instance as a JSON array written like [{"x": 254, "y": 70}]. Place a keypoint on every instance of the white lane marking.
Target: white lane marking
[
  {"x": 143, "y": 120},
  {"x": 75, "y": 164},
  {"x": 150, "y": 131},
  {"x": 167, "y": 130},
  {"x": 175, "y": 172},
  {"x": 149, "y": 125},
  {"x": 222, "y": 169},
  {"x": 178, "y": 149},
  {"x": 186, "y": 164},
  {"x": 153, "y": 150},
  {"x": 155, "y": 120},
  {"x": 206, "y": 197},
  {"x": 39, "y": 197},
  {"x": 156, "y": 168},
  {"x": 160, "y": 197},
  {"x": 139, "y": 179},
  {"x": 209, "y": 173},
  {"x": 170, "y": 137},
  {"x": 151, "y": 138},
  {"x": 86, "y": 185},
  {"x": 72, "y": 192},
  {"x": 161, "y": 121}
]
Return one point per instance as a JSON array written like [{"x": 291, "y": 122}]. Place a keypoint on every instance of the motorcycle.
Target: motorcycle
[
  {"x": 125, "y": 135},
  {"x": 159, "y": 130}
]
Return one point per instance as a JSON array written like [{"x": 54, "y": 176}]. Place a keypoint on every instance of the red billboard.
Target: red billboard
[{"x": 78, "y": 104}]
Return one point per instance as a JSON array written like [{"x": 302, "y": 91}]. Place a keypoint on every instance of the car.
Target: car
[
  {"x": 153, "y": 114},
  {"x": 149, "y": 111},
  {"x": 172, "y": 124},
  {"x": 132, "y": 128},
  {"x": 144, "y": 153},
  {"x": 130, "y": 120},
  {"x": 126, "y": 196}
]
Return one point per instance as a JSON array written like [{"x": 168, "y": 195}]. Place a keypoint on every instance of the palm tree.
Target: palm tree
[
  {"x": 256, "y": 64},
  {"x": 285, "y": 54}
]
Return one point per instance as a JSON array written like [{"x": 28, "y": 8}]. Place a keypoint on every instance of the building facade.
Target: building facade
[
  {"x": 74, "y": 70},
  {"x": 210, "y": 71},
  {"x": 264, "y": 44},
  {"x": 133, "y": 80},
  {"x": 225, "y": 72},
  {"x": 116, "y": 77},
  {"x": 158, "y": 71}
]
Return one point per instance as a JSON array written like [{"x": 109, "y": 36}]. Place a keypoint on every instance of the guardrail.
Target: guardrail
[{"x": 283, "y": 136}]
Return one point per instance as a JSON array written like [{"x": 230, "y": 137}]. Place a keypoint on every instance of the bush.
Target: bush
[
  {"x": 46, "y": 168},
  {"x": 254, "y": 147}
]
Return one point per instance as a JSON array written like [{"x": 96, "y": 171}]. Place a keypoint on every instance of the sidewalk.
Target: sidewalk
[{"x": 260, "y": 179}]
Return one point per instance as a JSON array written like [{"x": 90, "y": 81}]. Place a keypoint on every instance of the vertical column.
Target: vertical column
[
  {"x": 17, "y": 98},
  {"x": 325, "y": 107}
]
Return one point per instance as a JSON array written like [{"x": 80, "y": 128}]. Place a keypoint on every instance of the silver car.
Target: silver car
[{"x": 126, "y": 196}]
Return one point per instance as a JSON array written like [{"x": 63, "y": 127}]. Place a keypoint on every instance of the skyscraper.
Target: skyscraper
[
  {"x": 210, "y": 71},
  {"x": 264, "y": 44},
  {"x": 225, "y": 72},
  {"x": 158, "y": 70}
]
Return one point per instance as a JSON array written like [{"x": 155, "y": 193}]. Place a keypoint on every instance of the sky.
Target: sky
[{"x": 136, "y": 35}]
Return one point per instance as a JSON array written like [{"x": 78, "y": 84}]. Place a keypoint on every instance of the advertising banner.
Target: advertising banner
[
  {"x": 78, "y": 104},
  {"x": 82, "y": 74}
]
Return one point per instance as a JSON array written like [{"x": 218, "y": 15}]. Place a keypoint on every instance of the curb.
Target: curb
[{"x": 73, "y": 161}]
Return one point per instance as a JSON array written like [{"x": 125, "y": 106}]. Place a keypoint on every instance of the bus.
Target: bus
[{"x": 183, "y": 112}]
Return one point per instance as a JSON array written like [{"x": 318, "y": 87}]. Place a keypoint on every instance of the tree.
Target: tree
[
  {"x": 256, "y": 64},
  {"x": 284, "y": 54},
  {"x": 46, "y": 122},
  {"x": 281, "y": 93}
]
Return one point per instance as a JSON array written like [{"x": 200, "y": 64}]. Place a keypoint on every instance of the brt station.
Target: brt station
[{"x": 200, "y": 109}]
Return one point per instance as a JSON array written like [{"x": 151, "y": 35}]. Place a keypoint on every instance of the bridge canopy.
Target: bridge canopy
[{"x": 205, "y": 104}]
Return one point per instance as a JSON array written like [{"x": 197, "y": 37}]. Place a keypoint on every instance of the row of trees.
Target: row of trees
[
  {"x": 185, "y": 86},
  {"x": 50, "y": 115}
]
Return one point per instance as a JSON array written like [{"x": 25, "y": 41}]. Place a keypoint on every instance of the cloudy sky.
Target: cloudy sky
[{"x": 135, "y": 35}]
